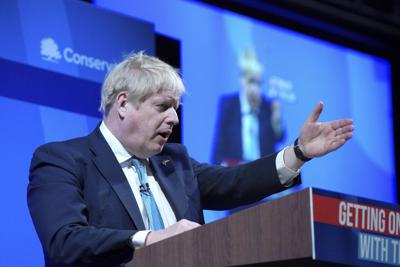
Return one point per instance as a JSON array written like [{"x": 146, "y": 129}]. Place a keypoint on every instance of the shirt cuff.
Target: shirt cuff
[
  {"x": 285, "y": 174},
  {"x": 139, "y": 238}
]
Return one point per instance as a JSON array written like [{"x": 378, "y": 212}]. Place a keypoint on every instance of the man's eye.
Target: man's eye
[{"x": 162, "y": 107}]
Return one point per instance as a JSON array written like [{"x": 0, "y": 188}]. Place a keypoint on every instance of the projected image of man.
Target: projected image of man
[{"x": 248, "y": 125}]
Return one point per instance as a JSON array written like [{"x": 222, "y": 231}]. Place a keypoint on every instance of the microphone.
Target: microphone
[{"x": 144, "y": 188}]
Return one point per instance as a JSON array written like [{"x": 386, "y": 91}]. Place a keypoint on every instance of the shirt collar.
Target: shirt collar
[
  {"x": 119, "y": 151},
  {"x": 244, "y": 104}
]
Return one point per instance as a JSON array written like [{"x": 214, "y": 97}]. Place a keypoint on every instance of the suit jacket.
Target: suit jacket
[
  {"x": 228, "y": 137},
  {"x": 84, "y": 210}
]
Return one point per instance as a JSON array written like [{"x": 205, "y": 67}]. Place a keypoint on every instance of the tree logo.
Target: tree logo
[{"x": 49, "y": 50}]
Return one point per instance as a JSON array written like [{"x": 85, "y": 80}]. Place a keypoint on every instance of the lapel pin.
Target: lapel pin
[{"x": 165, "y": 162}]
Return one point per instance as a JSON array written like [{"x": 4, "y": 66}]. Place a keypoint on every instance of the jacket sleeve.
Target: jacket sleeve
[{"x": 228, "y": 187}]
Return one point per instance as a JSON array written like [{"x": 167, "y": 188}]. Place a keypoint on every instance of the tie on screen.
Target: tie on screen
[
  {"x": 251, "y": 148},
  {"x": 153, "y": 214}
]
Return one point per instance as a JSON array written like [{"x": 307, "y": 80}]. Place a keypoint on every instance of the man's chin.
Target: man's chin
[
  {"x": 155, "y": 150},
  {"x": 160, "y": 148}
]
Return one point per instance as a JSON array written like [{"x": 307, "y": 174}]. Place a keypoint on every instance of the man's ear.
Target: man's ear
[{"x": 122, "y": 102}]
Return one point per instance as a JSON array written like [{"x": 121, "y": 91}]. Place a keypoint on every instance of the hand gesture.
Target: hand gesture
[{"x": 319, "y": 138}]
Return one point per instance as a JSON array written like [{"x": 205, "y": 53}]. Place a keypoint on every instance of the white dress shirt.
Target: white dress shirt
[
  {"x": 124, "y": 158},
  {"x": 250, "y": 130},
  {"x": 285, "y": 174}
]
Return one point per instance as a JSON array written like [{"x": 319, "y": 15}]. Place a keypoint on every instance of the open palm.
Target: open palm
[{"x": 319, "y": 138}]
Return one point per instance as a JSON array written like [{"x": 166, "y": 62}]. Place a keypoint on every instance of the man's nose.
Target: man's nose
[{"x": 172, "y": 118}]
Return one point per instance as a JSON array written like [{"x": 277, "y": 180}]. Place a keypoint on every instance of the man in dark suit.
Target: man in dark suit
[
  {"x": 229, "y": 145},
  {"x": 248, "y": 124},
  {"x": 87, "y": 197}
]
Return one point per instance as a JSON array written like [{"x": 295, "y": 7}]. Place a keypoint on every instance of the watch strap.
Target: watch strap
[{"x": 297, "y": 151}]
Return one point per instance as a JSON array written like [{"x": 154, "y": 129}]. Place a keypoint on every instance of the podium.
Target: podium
[{"x": 311, "y": 227}]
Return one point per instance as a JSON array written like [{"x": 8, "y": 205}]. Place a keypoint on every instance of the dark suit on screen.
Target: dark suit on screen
[
  {"x": 84, "y": 210},
  {"x": 228, "y": 138}
]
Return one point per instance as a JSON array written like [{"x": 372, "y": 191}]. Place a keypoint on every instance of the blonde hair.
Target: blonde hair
[
  {"x": 249, "y": 63},
  {"x": 140, "y": 76}
]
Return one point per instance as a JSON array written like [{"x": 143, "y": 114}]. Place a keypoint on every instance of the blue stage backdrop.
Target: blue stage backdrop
[
  {"x": 299, "y": 70},
  {"x": 54, "y": 55}
]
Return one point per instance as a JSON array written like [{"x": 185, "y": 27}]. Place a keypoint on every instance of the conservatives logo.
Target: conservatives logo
[{"x": 49, "y": 50}]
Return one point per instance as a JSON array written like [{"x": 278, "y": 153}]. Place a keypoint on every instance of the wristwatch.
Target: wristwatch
[{"x": 297, "y": 151}]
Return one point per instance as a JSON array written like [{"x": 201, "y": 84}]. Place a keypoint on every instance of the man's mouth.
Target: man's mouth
[{"x": 165, "y": 134}]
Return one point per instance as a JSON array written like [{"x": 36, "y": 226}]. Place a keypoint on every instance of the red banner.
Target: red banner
[{"x": 356, "y": 215}]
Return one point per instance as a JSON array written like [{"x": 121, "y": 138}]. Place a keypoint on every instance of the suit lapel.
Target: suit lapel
[
  {"x": 109, "y": 167},
  {"x": 170, "y": 182}
]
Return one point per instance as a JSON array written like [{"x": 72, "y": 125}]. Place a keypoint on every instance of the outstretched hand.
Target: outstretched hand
[{"x": 319, "y": 138}]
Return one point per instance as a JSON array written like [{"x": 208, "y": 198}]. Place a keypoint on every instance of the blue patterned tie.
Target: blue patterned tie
[{"x": 155, "y": 220}]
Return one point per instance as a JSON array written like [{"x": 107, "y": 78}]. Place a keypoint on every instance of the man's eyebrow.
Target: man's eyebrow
[
  {"x": 168, "y": 100},
  {"x": 165, "y": 99}
]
